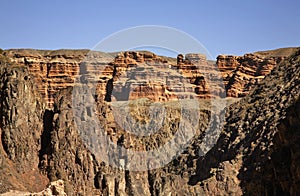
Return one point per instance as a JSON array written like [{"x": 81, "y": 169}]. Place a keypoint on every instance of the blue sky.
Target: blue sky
[{"x": 223, "y": 27}]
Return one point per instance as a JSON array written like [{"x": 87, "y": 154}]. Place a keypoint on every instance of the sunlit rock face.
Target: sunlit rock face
[
  {"x": 243, "y": 73},
  {"x": 131, "y": 75}
]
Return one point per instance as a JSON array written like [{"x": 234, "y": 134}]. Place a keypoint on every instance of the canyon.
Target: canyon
[{"x": 256, "y": 151}]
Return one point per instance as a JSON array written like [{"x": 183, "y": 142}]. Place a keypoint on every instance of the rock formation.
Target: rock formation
[
  {"x": 129, "y": 72},
  {"x": 54, "y": 188},
  {"x": 21, "y": 128},
  {"x": 243, "y": 73},
  {"x": 256, "y": 153}
]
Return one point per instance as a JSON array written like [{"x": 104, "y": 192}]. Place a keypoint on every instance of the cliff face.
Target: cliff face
[
  {"x": 21, "y": 128},
  {"x": 242, "y": 73},
  {"x": 51, "y": 70},
  {"x": 131, "y": 75},
  {"x": 256, "y": 153}
]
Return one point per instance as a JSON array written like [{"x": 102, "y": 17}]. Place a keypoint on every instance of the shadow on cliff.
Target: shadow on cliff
[
  {"x": 46, "y": 136},
  {"x": 272, "y": 170}
]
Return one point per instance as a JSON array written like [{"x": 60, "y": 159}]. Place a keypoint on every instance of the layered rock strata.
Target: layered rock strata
[
  {"x": 242, "y": 73},
  {"x": 131, "y": 75}
]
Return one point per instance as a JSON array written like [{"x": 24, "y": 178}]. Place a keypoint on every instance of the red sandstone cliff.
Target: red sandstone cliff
[
  {"x": 243, "y": 73},
  {"x": 170, "y": 79}
]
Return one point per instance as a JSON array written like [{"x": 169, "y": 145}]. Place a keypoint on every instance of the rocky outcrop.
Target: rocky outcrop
[
  {"x": 242, "y": 73},
  {"x": 21, "y": 127},
  {"x": 256, "y": 154},
  {"x": 163, "y": 79},
  {"x": 51, "y": 70},
  {"x": 204, "y": 76},
  {"x": 54, "y": 188},
  {"x": 61, "y": 148},
  {"x": 136, "y": 75}
]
